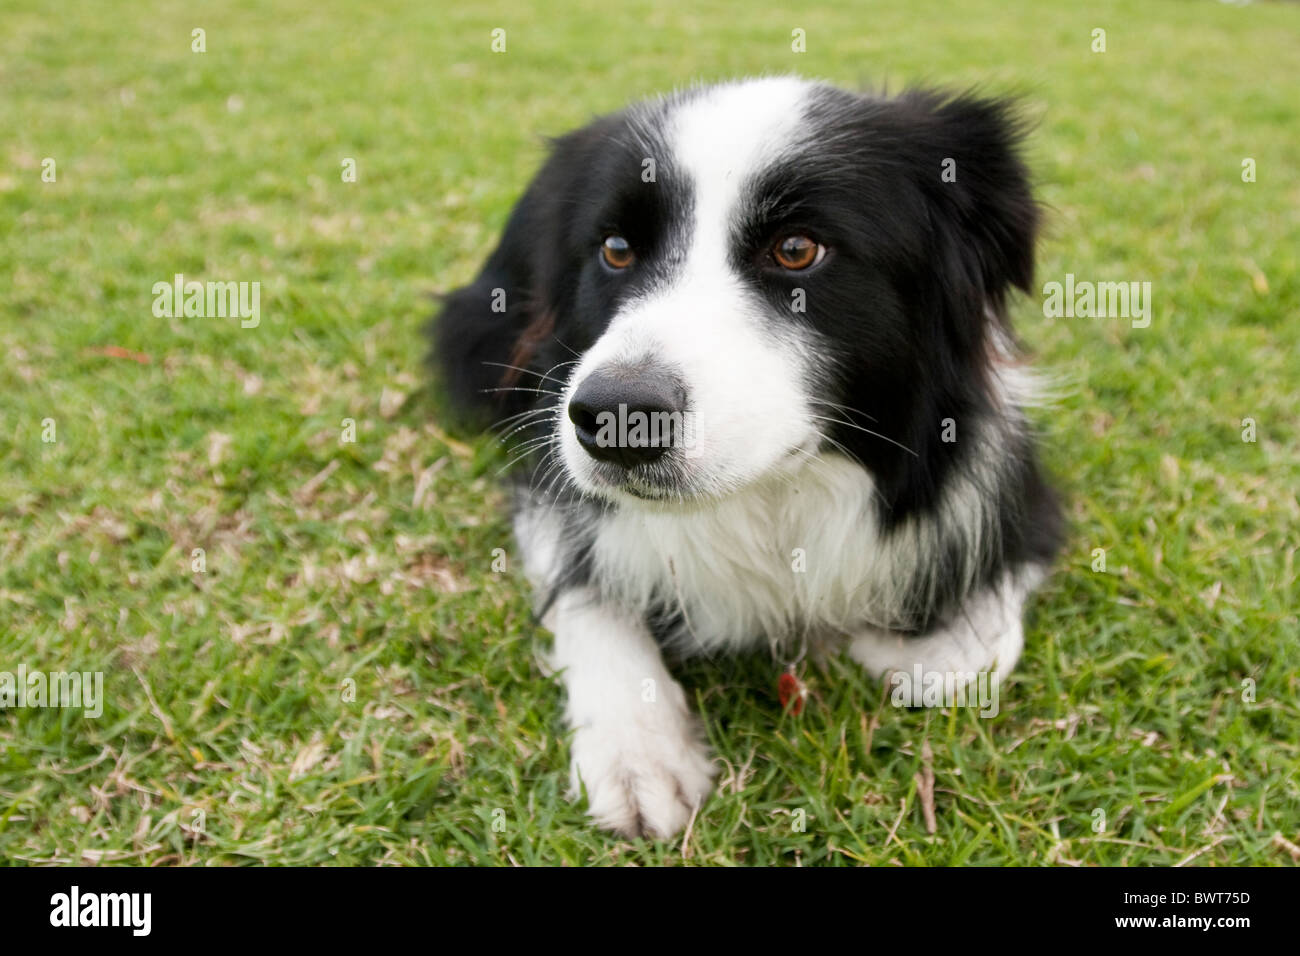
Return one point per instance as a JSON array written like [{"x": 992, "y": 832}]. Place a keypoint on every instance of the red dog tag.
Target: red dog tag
[{"x": 792, "y": 693}]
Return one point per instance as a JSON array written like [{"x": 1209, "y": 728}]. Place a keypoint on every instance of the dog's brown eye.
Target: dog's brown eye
[
  {"x": 616, "y": 252},
  {"x": 797, "y": 252}
]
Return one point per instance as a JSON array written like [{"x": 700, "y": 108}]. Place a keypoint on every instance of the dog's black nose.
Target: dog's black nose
[{"x": 628, "y": 418}]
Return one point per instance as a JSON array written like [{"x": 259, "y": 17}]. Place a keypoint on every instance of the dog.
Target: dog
[{"x": 750, "y": 345}]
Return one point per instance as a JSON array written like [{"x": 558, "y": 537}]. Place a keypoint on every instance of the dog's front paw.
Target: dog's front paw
[{"x": 642, "y": 781}]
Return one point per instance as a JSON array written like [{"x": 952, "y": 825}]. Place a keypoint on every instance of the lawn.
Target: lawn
[{"x": 307, "y": 656}]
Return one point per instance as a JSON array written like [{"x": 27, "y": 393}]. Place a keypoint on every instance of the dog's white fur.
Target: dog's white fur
[{"x": 636, "y": 744}]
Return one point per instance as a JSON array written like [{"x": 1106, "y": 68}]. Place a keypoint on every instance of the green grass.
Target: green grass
[{"x": 226, "y": 737}]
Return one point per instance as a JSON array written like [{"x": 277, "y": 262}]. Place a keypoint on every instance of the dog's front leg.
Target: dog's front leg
[{"x": 636, "y": 745}]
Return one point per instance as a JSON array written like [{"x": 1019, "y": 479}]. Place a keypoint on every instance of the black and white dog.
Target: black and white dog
[{"x": 752, "y": 340}]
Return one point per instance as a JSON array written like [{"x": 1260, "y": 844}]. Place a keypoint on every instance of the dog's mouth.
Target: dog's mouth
[
  {"x": 670, "y": 483},
  {"x": 644, "y": 495},
  {"x": 644, "y": 483}
]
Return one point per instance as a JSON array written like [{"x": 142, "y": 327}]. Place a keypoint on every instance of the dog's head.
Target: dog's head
[{"x": 733, "y": 279}]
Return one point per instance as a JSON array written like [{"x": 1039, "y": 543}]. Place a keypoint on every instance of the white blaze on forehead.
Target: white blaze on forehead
[{"x": 724, "y": 137}]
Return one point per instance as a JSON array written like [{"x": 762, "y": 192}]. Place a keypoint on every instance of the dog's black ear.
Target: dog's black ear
[
  {"x": 478, "y": 331},
  {"x": 500, "y": 323},
  {"x": 974, "y": 177}
]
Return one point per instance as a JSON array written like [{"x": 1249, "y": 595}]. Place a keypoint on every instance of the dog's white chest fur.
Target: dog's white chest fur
[{"x": 794, "y": 555}]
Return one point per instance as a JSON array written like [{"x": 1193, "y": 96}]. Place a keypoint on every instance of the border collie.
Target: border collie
[{"x": 751, "y": 342}]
